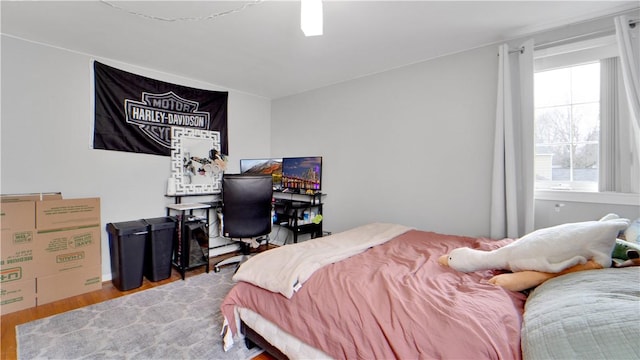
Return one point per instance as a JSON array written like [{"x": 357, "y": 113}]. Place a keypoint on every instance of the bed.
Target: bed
[{"x": 378, "y": 292}]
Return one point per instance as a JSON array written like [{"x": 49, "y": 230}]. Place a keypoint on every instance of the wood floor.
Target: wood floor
[{"x": 9, "y": 321}]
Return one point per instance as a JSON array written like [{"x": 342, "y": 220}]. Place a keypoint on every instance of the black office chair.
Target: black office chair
[{"x": 246, "y": 212}]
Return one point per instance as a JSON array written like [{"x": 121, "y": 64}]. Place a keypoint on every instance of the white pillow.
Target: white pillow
[{"x": 632, "y": 234}]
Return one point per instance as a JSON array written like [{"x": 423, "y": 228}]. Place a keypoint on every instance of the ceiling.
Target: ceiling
[{"x": 257, "y": 47}]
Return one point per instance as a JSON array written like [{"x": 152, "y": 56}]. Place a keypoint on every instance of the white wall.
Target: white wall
[
  {"x": 414, "y": 145},
  {"x": 556, "y": 212},
  {"x": 46, "y": 122},
  {"x": 411, "y": 145}
]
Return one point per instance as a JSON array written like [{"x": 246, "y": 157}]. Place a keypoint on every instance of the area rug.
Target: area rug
[{"x": 180, "y": 320}]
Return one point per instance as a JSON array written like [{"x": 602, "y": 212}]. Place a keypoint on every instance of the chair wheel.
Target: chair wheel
[{"x": 216, "y": 269}]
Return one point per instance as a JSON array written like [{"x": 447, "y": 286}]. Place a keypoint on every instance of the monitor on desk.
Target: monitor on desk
[
  {"x": 302, "y": 174},
  {"x": 270, "y": 166}
]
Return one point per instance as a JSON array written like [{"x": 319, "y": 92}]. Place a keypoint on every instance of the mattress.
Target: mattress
[{"x": 286, "y": 343}]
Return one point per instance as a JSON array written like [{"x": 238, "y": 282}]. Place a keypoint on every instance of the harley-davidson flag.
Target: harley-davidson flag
[{"x": 134, "y": 113}]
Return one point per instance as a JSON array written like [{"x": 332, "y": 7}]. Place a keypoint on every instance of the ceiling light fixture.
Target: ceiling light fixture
[{"x": 311, "y": 17}]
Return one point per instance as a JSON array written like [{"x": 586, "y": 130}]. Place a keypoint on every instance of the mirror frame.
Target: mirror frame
[{"x": 205, "y": 139}]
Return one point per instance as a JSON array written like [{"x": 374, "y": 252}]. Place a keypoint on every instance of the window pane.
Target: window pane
[
  {"x": 552, "y": 87},
  {"x": 586, "y": 122},
  {"x": 561, "y": 174},
  {"x": 553, "y": 125},
  {"x": 585, "y": 162},
  {"x": 585, "y": 83},
  {"x": 567, "y": 126}
]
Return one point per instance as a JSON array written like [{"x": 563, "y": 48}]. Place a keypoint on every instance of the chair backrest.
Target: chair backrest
[{"x": 246, "y": 205}]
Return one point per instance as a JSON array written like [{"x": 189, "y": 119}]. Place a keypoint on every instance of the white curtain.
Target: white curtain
[
  {"x": 610, "y": 162},
  {"x": 629, "y": 44},
  {"x": 512, "y": 204},
  {"x": 628, "y": 37},
  {"x": 618, "y": 161}
]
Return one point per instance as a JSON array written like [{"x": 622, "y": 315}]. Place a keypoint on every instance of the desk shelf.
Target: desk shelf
[{"x": 291, "y": 215}]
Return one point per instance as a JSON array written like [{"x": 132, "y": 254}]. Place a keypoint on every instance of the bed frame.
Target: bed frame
[{"x": 252, "y": 339}]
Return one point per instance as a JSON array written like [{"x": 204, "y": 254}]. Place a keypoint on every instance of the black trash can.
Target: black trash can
[
  {"x": 127, "y": 241},
  {"x": 159, "y": 249}
]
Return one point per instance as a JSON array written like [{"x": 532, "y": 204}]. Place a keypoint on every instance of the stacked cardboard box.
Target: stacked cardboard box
[
  {"x": 50, "y": 249},
  {"x": 17, "y": 269}
]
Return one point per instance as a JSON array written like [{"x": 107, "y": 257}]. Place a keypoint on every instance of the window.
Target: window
[
  {"x": 583, "y": 130},
  {"x": 567, "y": 127}
]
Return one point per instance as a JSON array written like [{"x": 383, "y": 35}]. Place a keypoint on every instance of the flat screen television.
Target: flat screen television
[
  {"x": 302, "y": 173},
  {"x": 270, "y": 166}
]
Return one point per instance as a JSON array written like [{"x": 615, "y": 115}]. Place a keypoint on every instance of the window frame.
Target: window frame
[{"x": 574, "y": 54}]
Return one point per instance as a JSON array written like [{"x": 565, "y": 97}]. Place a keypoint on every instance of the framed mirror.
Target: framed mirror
[{"x": 193, "y": 161}]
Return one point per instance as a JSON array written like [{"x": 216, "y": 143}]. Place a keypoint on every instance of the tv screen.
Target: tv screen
[
  {"x": 302, "y": 173},
  {"x": 271, "y": 167}
]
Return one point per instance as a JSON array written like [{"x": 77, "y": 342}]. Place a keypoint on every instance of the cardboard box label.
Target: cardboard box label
[
  {"x": 17, "y": 295},
  {"x": 66, "y": 240},
  {"x": 69, "y": 257},
  {"x": 17, "y": 260},
  {"x": 20, "y": 257},
  {"x": 22, "y": 237},
  {"x": 67, "y": 214},
  {"x": 59, "y": 251},
  {"x": 11, "y": 300},
  {"x": 10, "y": 274}
]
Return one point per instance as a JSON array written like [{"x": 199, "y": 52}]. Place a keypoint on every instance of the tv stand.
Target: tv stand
[{"x": 300, "y": 213}]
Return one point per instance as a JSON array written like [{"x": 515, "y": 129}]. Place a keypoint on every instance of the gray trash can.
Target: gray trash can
[
  {"x": 159, "y": 250},
  {"x": 127, "y": 241}
]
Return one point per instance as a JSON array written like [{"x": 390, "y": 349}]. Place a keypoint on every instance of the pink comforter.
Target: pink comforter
[{"x": 395, "y": 301}]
